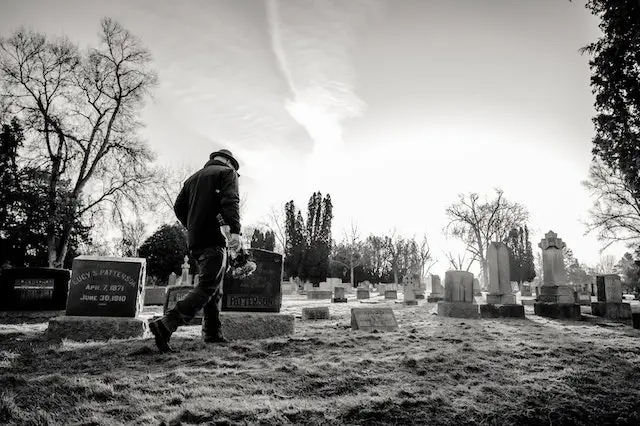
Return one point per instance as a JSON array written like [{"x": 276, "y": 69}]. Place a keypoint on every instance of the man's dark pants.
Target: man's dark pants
[{"x": 212, "y": 263}]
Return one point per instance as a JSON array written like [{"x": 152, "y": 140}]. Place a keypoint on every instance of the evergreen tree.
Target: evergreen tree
[
  {"x": 165, "y": 250},
  {"x": 528, "y": 266}
]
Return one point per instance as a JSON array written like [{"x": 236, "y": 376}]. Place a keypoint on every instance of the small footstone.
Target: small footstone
[
  {"x": 458, "y": 309},
  {"x": 557, "y": 310},
  {"x": 528, "y": 302},
  {"x": 636, "y": 320},
  {"x": 502, "y": 311},
  {"x": 611, "y": 310},
  {"x": 434, "y": 299},
  {"x": 83, "y": 329},
  {"x": 339, "y": 300},
  {"x": 410, "y": 302},
  {"x": 316, "y": 313},
  {"x": 255, "y": 325}
]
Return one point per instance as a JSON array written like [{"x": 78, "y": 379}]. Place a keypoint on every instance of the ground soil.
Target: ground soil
[{"x": 434, "y": 370}]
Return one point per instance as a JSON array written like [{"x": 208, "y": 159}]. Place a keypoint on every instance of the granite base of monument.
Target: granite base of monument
[
  {"x": 636, "y": 320},
  {"x": 558, "y": 310},
  {"x": 419, "y": 296},
  {"x": 28, "y": 317},
  {"x": 391, "y": 294},
  {"x": 458, "y": 309},
  {"x": 556, "y": 294},
  {"x": 502, "y": 311},
  {"x": 528, "y": 302},
  {"x": 435, "y": 298},
  {"x": 611, "y": 310},
  {"x": 501, "y": 299},
  {"x": 319, "y": 295},
  {"x": 410, "y": 302},
  {"x": 255, "y": 325},
  {"x": 84, "y": 329},
  {"x": 339, "y": 300},
  {"x": 316, "y": 313}
]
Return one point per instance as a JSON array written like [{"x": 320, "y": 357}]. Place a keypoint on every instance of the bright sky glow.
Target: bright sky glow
[{"x": 392, "y": 107}]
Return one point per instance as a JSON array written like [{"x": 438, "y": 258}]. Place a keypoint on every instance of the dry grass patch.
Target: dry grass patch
[{"x": 439, "y": 371}]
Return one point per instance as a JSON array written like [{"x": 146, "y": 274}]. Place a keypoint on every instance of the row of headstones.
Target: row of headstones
[{"x": 107, "y": 294}]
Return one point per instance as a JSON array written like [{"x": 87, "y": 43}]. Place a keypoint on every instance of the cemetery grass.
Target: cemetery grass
[{"x": 434, "y": 370}]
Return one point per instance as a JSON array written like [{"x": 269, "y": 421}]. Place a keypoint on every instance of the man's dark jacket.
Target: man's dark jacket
[{"x": 210, "y": 191}]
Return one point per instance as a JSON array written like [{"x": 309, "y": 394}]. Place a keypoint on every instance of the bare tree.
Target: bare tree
[
  {"x": 425, "y": 257},
  {"x": 395, "y": 249},
  {"x": 607, "y": 264},
  {"x": 354, "y": 247},
  {"x": 167, "y": 185},
  {"x": 275, "y": 221},
  {"x": 615, "y": 214},
  {"x": 479, "y": 223},
  {"x": 458, "y": 263},
  {"x": 82, "y": 112}
]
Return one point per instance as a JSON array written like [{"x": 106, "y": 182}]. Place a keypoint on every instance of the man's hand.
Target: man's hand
[{"x": 235, "y": 242}]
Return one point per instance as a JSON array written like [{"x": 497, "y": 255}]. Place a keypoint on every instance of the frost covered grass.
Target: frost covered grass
[{"x": 435, "y": 370}]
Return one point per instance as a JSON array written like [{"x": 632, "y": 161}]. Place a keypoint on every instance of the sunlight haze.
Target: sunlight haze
[{"x": 392, "y": 107}]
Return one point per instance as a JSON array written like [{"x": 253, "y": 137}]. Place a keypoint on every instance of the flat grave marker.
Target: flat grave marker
[{"x": 373, "y": 319}]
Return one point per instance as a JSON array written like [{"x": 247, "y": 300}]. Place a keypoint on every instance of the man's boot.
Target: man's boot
[
  {"x": 211, "y": 326},
  {"x": 161, "y": 333}
]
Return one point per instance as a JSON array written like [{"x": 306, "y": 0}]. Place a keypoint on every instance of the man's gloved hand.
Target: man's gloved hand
[{"x": 234, "y": 243}]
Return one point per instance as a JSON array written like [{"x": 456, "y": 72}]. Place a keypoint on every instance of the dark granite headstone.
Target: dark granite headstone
[
  {"x": 259, "y": 292},
  {"x": 106, "y": 286},
  {"x": 34, "y": 289},
  {"x": 600, "y": 288}
]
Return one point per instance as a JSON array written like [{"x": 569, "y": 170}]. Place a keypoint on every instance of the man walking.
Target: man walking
[{"x": 211, "y": 191}]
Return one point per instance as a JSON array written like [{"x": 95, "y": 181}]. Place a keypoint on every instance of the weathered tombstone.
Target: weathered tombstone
[
  {"x": 476, "y": 287},
  {"x": 382, "y": 288},
  {"x": 525, "y": 289},
  {"x": 420, "y": 288},
  {"x": 316, "y": 313},
  {"x": 501, "y": 302},
  {"x": 610, "y": 303},
  {"x": 105, "y": 300},
  {"x": 373, "y": 319},
  {"x": 437, "y": 292},
  {"x": 409, "y": 283},
  {"x": 172, "y": 279},
  {"x": 390, "y": 294},
  {"x": 317, "y": 294},
  {"x": 556, "y": 299},
  {"x": 458, "y": 296},
  {"x": 362, "y": 293},
  {"x": 154, "y": 295},
  {"x": 34, "y": 289},
  {"x": 339, "y": 296}
]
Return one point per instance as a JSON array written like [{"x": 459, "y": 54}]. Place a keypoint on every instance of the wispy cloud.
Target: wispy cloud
[{"x": 312, "y": 42}]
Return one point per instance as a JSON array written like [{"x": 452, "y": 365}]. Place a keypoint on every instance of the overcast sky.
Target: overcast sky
[{"x": 392, "y": 107}]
